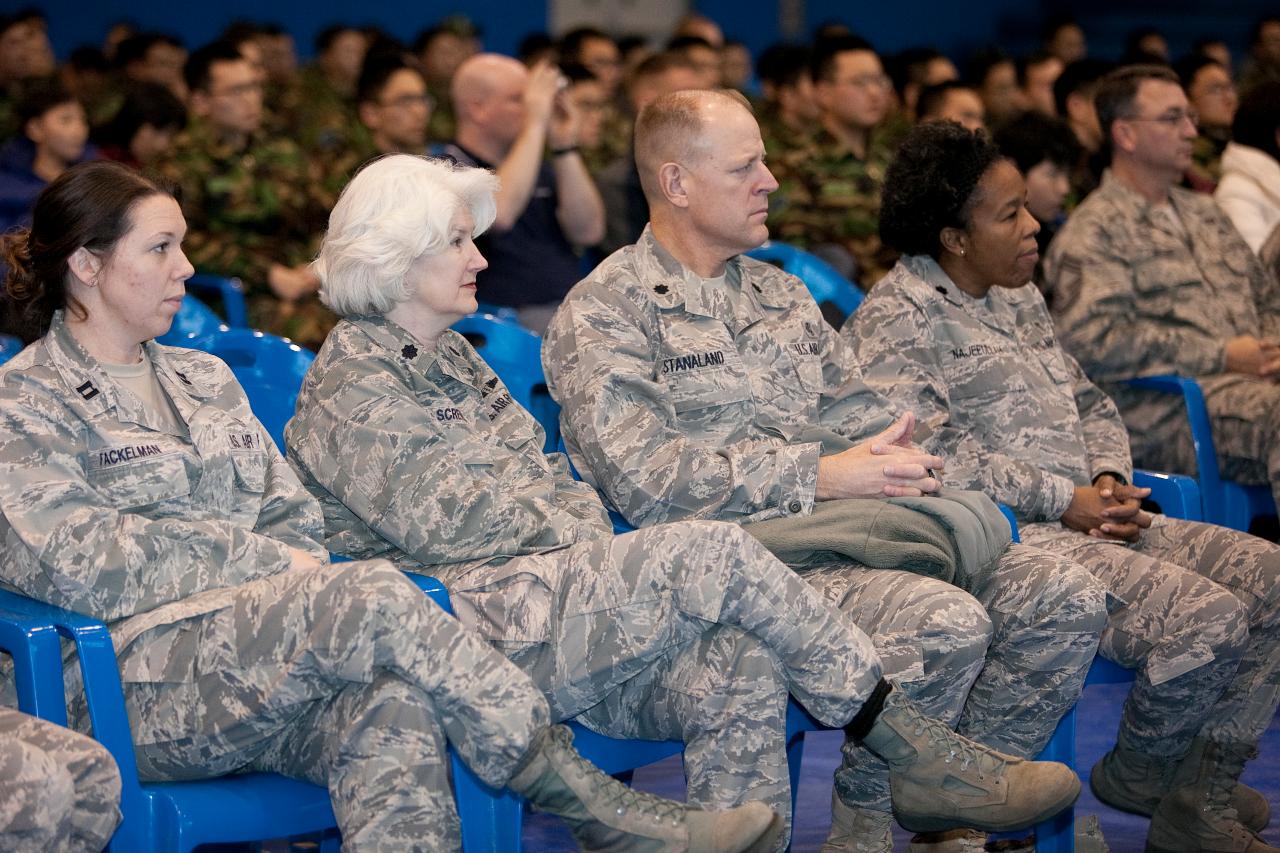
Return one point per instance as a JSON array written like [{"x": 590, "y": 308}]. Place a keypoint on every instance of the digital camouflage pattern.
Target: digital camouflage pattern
[
  {"x": 230, "y": 658},
  {"x": 827, "y": 196},
  {"x": 247, "y": 209},
  {"x": 59, "y": 790},
  {"x": 685, "y": 398},
  {"x": 1198, "y": 606},
  {"x": 689, "y": 631},
  {"x": 1140, "y": 293}
]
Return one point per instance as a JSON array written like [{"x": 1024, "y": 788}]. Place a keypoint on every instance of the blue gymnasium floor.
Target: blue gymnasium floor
[{"x": 1097, "y": 716}]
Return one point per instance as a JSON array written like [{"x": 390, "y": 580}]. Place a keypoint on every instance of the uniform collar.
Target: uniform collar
[
  {"x": 995, "y": 310},
  {"x": 736, "y": 301},
  {"x": 99, "y": 393},
  {"x": 449, "y": 354}
]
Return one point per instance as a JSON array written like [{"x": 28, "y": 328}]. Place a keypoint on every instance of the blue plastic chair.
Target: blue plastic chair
[
  {"x": 269, "y": 367},
  {"x": 193, "y": 320},
  {"x": 9, "y": 347},
  {"x": 1230, "y": 504},
  {"x": 164, "y": 816},
  {"x": 824, "y": 283},
  {"x": 515, "y": 354},
  {"x": 229, "y": 290}
]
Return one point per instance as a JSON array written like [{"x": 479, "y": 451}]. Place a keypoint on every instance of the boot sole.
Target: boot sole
[
  {"x": 769, "y": 838},
  {"x": 926, "y": 823}
]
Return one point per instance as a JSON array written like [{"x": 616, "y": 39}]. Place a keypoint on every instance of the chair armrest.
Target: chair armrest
[
  {"x": 36, "y": 649},
  {"x": 1178, "y": 495},
  {"x": 1201, "y": 432},
  {"x": 435, "y": 590},
  {"x": 1013, "y": 522}
]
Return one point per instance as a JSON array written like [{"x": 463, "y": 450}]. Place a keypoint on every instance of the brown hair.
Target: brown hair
[{"x": 88, "y": 205}]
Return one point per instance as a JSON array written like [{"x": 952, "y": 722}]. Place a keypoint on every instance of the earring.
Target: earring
[{"x": 962, "y": 253}]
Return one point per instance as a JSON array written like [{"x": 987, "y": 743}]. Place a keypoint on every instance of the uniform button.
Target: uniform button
[{"x": 794, "y": 507}]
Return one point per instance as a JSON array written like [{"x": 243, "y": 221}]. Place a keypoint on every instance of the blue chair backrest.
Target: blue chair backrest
[
  {"x": 194, "y": 319},
  {"x": 824, "y": 283},
  {"x": 515, "y": 354},
  {"x": 270, "y": 368},
  {"x": 9, "y": 347},
  {"x": 230, "y": 291}
]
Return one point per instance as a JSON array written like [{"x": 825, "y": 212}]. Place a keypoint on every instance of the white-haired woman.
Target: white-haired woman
[
  {"x": 137, "y": 487},
  {"x": 417, "y": 454}
]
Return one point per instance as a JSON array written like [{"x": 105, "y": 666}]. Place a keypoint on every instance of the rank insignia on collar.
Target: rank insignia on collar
[
  {"x": 409, "y": 351},
  {"x": 810, "y": 329},
  {"x": 88, "y": 390},
  {"x": 182, "y": 376},
  {"x": 941, "y": 290},
  {"x": 660, "y": 289},
  {"x": 491, "y": 384}
]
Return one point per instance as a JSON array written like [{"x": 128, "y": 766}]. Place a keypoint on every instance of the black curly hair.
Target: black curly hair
[{"x": 931, "y": 184}]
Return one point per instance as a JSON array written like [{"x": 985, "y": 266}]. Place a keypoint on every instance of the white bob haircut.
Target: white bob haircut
[{"x": 395, "y": 210}]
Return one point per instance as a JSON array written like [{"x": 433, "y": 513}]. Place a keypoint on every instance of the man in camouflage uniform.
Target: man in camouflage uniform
[
  {"x": 1199, "y": 605},
  {"x": 59, "y": 790},
  {"x": 1153, "y": 279},
  {"x": 790, "y": 110},
  {"x": 239, "y": 647},
  {"x": 688, "y": 376},
  {"x": 326, "y": 103},
  {"x": 249, "y": 200},
  {"x": 828, "y": 198}
]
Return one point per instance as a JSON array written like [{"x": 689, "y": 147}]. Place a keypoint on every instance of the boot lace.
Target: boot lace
[
  {"x": 619, "y": 797},
  {"x": 959, "y": 749}
]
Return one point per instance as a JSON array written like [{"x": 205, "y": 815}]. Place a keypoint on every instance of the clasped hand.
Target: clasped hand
[{"x": 887, "y": 465}]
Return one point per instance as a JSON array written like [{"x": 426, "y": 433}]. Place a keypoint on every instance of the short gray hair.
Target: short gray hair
[{"x": 395, "y": 210}]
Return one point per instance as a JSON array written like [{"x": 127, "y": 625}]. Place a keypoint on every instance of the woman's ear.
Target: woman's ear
[
  {"x": 85, "y": 266},
  {"x": 954, "y": 240}
]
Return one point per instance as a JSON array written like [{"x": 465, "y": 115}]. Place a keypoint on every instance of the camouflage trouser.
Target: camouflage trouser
[
  {"x": 1200, "y": 622},
  {"x": 1244, "y": 415},
  {"x": 1023, "y": 639},
  {"x": 689, "y": 631},
  {"x": 347, "y": 676},
  {"x": 59, "y": 790}
]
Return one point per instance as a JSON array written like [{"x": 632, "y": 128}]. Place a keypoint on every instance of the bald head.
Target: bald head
[
  {"x": 673, "y": 129},
  {"x": 483, "y": 76}
]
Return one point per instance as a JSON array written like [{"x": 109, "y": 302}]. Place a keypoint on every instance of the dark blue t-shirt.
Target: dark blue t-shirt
[{"x": 533, "y": 263}]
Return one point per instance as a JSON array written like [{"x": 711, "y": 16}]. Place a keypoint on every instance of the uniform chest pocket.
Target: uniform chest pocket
[
  {"x": 706, "y": 387},
  {"x": 128, "y": 483},
  {"x": 984, "y": 385},
  {"x": 251, "y": 470}
]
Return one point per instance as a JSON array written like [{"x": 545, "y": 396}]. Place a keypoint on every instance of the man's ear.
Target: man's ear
[
  {"x": 671, "y": 181},
  {"x": 85, "y": 266}
]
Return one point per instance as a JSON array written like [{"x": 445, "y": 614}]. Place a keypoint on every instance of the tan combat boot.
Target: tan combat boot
[
  {"x": 606, "y": 815},
  {"x": 1196, "y": 815},
  {"x": 941, "y": 780},
  {"x": 857, "y": 830},
  {"x": 1133, "y": 781}
]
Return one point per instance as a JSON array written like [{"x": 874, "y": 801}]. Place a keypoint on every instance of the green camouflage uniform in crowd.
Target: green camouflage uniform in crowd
[
  {"x": 442, "y": 127},
  {"x": 246, "y": 210},
  {"x": 1198, "y": 610},
  {"x": 1206, "y": 160},
  {"x": 779, "y": 137},
  {"x": 59, "y": 790},
  {"x": 828, "y": 197},
  {"x": 615, "y": 140},
  {"x": 1143, "y": 290},
  {"x": 232, "y": 659},
  {"x": 690, "y": 631},
  {"x": 684, "y": 398},
  {"x": 324, "y": 116}
]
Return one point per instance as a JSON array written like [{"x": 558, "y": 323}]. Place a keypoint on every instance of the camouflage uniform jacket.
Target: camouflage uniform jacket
[
  {"x": 107, "y": 513},
  {"x": 779, "y": 137},
  {"x": 828, "y": 196},
  {"x": 685, "y": 398},
  {"x": 450, "y": 475},
  {"x": 246, "y": 209},
  {"x": 323, "y": 116},
  {"x": 1135, "y": 298},
  {"x": 994, "y": 394}
]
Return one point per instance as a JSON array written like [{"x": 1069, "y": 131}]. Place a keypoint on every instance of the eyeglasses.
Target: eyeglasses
[
  {"x": 239, "y": 91},
  {"x": 404, "y": 102},
  {"x": 1173, "y": 118}
]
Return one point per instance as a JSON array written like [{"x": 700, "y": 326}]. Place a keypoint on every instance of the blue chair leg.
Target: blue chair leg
[
  {"x": 491, "y": 819},
  {"x": 1058, "y": 834}
]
